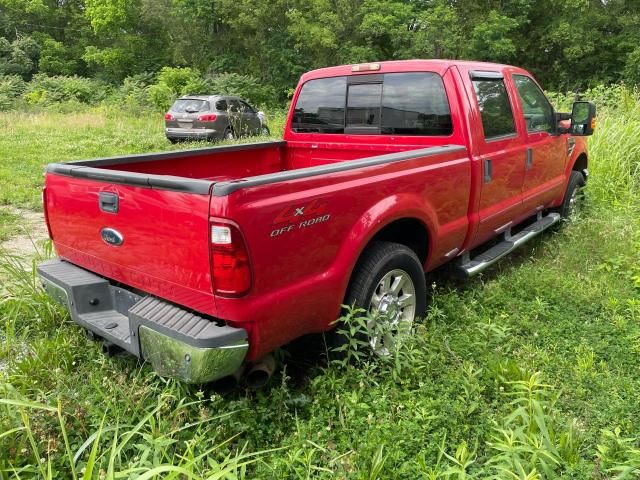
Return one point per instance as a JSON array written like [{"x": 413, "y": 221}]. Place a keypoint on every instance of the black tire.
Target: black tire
[
  {"x": 173, "y": 140},
  {"x": 572, "y": 195},
  {"x": 228, "y": 134},
  {"x": 378, "y": 260},
  {"x": 265, "y": 131}
]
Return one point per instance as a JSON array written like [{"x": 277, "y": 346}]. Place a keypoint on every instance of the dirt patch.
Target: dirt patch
[{"x": 29, "y": 235}]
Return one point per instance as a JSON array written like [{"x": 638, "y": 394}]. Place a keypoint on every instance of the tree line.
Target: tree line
[{"x": 567, "y": 44}]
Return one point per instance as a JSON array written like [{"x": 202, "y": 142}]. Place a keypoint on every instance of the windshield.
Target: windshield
[{"x": 190, "y": 105}]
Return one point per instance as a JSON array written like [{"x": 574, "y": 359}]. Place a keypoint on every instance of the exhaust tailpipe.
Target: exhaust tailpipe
[
  {"x": 228, "y": 384},
  {"x": 260, "y": 372}
]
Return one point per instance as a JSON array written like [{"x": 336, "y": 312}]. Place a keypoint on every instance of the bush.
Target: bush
[
  {"x": 173, "y": 82},
  {"x": 11, "y": 87},
  {"x": 133, "y": 95},
  {"x": 178, "y": 78},
  {"x": 245, "y": 86},
  {"x": 161, "y": 96},
  {"x": 45, "y": 90}
]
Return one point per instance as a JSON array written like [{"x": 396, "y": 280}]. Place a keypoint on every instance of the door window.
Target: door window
[
  {"x": 221, "y": 106},
  {"x": 538, "y": 112},
  {"x": 495, "y": 108},
  {"x": 234, "y": 106},
  {"x": 246, "y": 108}
]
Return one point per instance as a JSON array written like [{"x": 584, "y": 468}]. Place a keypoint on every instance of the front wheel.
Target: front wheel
[
  {"x": 573, "y": 197},
  {"x": 389, "y": 284}
]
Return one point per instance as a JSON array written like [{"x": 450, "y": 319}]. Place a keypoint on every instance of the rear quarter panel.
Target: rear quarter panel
[{"x": 302, "y": 263}]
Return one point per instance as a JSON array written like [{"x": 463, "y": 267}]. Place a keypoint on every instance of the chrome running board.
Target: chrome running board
[{"x": 472, "y": 266}]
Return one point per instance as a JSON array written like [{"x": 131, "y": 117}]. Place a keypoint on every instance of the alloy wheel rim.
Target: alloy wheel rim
[
  {"x": 574, "y": 202},
  {"x": 394, "y": 304}
]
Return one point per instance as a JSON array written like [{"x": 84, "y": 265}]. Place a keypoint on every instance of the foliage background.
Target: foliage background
[{"x": 260, "y": 48}]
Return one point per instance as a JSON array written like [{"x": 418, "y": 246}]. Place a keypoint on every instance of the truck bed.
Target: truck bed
[
  {"x": 197, "y": 170},
  {"x": 167, "y": 202}
]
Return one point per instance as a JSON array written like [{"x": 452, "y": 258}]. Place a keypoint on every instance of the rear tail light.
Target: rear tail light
[
  {"x": 230, "y": 267},
  {"x": 46, "y": 214},
  {"x": 207, "y": 118},
  {"x": 168, "y": 116}
]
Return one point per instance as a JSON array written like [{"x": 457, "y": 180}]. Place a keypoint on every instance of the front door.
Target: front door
[
  {"x": 546, "y": 152},
  {"x": 251, "y": 118}
]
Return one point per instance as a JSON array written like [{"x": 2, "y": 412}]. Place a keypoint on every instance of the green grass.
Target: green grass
[
  {"x": 30, "y": 140},
  {"x": 529, "y": 371},
  {"x": 8, "y": 224}
]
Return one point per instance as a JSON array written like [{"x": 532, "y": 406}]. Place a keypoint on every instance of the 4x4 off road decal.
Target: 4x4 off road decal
[{"x": 296, "y": 217}]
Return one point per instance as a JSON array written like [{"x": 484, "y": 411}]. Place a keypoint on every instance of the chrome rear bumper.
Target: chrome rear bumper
[{"x": 178, "y": 343}]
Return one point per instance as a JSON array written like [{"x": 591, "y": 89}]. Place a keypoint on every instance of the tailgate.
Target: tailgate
[{"x": 155, "y": 239}]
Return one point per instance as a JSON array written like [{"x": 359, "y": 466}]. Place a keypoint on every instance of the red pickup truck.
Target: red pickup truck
[{"x": 204, "y": 261}]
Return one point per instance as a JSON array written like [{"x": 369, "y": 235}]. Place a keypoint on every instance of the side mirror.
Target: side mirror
[{"x": 583, "y": 119}]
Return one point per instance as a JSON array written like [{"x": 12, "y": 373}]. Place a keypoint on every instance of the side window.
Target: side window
[
  {"x": 415, "y": 104},
  {"x": 221, "y": 106},
  {"x": 320, "y": 106},
  {"x": 538, "y": 112},
  {"x": 234, "y": 106},
  {"x": 495, "y": 108},
  {"x": 363, "y": 106},
  {"x": 247, "y": 108}
]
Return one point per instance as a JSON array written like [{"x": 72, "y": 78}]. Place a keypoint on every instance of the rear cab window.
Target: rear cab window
[{"x": 412, "y": 103}]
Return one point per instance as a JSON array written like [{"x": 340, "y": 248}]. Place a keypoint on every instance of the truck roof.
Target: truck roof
[{"x": 433, "y": 65}]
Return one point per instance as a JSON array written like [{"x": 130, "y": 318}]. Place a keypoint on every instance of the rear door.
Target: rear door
[
  {"x": 546, "y": 151},
  {"x": 499, "y": 151}
]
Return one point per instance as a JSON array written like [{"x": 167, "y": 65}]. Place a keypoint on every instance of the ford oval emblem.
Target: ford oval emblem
[{"x": 112, "y": 236}]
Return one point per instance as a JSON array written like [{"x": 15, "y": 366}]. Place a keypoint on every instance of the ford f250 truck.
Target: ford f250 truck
[{"x": 204, "y": 261}]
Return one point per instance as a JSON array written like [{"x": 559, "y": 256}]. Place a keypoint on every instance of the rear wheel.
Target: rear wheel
[
  {"x": 388, "y": 283},
  {"x": 573, "y": 196},
  {"x": 228, "y": 134},
  {"x": 265, "y": 131},
  {"x": 173, "y": 140}
]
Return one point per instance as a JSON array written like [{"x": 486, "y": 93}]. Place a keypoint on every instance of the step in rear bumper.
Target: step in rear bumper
[{"x": 178, "y": 343}]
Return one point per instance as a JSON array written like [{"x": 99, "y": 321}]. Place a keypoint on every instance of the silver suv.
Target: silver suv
[{"x": 212, "y": 117}]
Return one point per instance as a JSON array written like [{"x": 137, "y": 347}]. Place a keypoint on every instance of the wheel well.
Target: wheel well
[
  {"x": 409, "y": 232},
  {"x": 580, "y": 163}
]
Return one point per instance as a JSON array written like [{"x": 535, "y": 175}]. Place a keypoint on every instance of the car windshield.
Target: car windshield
[{"x": 190, "y": 105}]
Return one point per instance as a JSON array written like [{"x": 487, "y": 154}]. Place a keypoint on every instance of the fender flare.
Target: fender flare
[{"x": 372, "y": 221}]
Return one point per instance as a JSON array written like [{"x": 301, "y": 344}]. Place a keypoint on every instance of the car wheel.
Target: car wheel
[
  {"x": 265, "y": 131},
  {"x": 228, "y": 134},
  {"x": 573, "y": 196},
  {"x": 173, "y": 140},
  {"x": 389, "y": 280}
]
